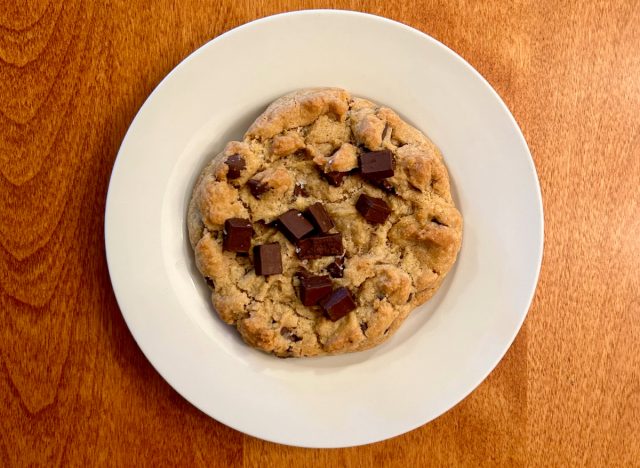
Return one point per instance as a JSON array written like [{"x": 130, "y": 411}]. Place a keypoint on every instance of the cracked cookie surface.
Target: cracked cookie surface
[{"x": 305, "y": 149}]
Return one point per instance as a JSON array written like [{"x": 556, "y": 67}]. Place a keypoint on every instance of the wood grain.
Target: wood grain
[{"x": 74, "y": 387}]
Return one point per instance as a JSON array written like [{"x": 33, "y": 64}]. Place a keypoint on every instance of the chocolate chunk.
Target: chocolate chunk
[
  {"x": 386, "y": 132},
  {"x": 303, "y": 273},
  {"x": 210, "y": 282},
  {"x": 300, "y": 191},
  {"x": 237, "y": 235},
  {"x": 336, "y": 268},
  {"x": 338, "y": 304},
  {"x": 236, "y": 165},
  {"x": 262, "y": 224},
  {"x": 294, "y": 225},
  {"x": 384, "y": 184},
  {"x": 334, "y": 178},
  {"x": 257, "y": 187},
  {"x": 376, "y": 164},
  {"x": 320, "y": 246},
  {"x": 374, "y": 210},
  {"x": 364, "y": 326},
  {"x": 267, "y": 259},
  {"x": 314, "y": 288},
  {"x": 319, "y": 217},
  {"x": 289, "y": 335}
]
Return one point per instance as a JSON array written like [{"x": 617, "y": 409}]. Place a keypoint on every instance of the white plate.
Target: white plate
[{"x": 445, "y": 348}]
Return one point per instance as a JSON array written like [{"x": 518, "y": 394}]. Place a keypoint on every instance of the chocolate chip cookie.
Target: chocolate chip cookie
[{"x": 325, "y": 226}]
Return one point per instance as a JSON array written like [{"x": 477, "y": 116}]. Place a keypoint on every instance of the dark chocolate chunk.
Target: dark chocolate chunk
[
  {"x": 320, "y": 246},
  {"x": 289, "y": 335},
  {"x": 334, "y": 178},
  {"x": 336, "y": 268},
  {"x": 338, "y": 304},
  {"x": 364, "y": 326},
  {"x": 236, "y": 165},
  {"x": 273, "y": 224},
  {"x": 374, "y": 210},
  {"x": 210, "y": 282},
  {"x": 303, "y": 273},
  {"x": 267, "y": 259},
  {"x": 314, "y": 288},
  {"x": 294, "y": 225},
  {"x": 262, "y": 224},
  {"x": 319, "y": 217},
  {"x": 376, "y": 164},
  {"x": 257, "y": 187},
  {"x": 300, "y": 191},
  {"x": 237, "y": 235},
  {"x": 384, "y": 184},
  {"x": 386, "y": 132}
]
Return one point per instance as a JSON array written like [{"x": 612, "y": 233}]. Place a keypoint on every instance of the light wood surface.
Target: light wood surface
[{"x": 76, "y": 390}]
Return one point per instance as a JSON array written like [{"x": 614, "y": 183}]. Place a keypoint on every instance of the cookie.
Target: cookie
[{"x": 324, "y": 227}]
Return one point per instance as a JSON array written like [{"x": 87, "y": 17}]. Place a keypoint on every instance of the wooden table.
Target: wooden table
[{"x": 74, "y": 386}]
